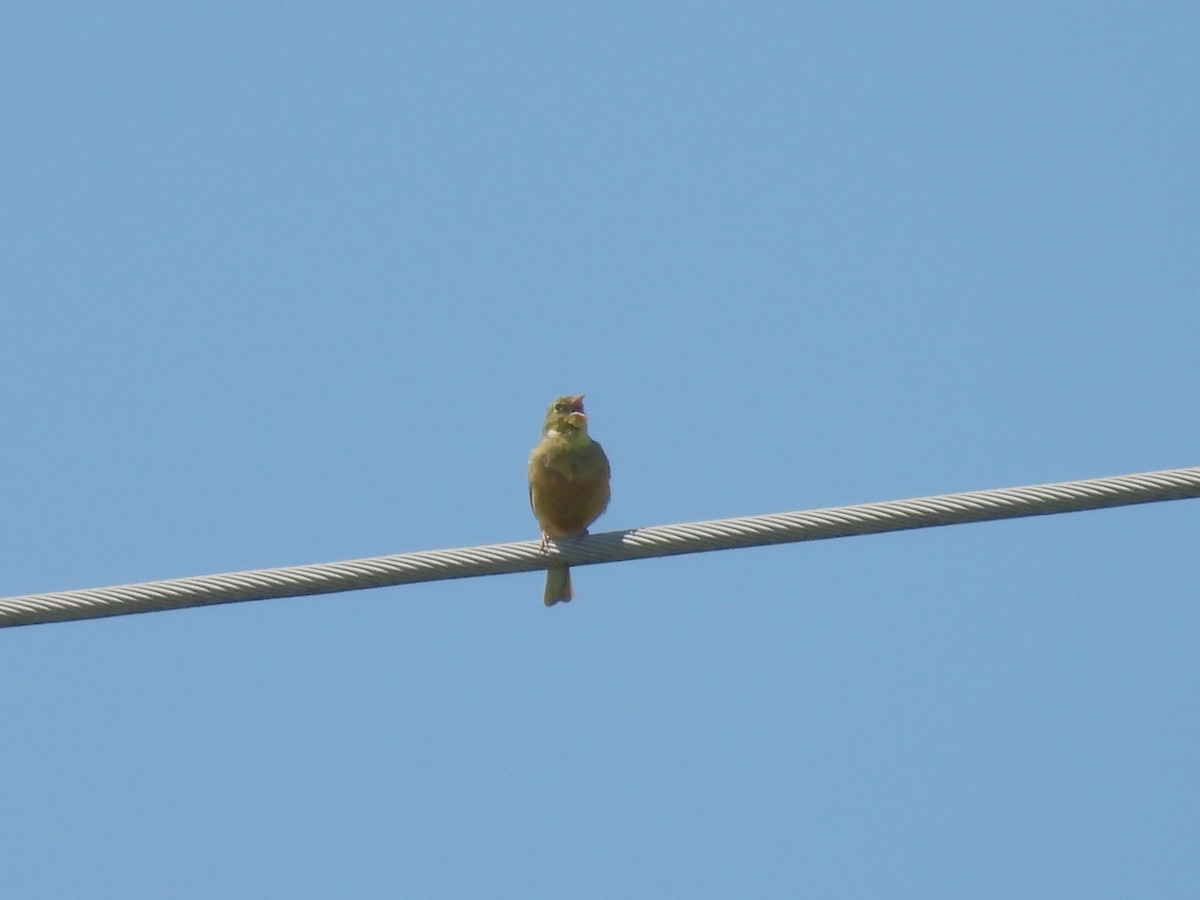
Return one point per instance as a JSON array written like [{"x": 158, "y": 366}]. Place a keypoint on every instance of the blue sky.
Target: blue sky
[{"x": 285, "y": 285}]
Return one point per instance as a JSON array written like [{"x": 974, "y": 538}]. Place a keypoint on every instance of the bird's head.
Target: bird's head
[{"x": 565, "y": 416}]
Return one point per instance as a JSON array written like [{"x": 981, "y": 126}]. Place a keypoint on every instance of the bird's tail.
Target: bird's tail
[{"x": 558, "y": 586}]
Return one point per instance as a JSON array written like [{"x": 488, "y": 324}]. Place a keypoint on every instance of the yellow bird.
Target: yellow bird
[{"x": 568, "y": 484}]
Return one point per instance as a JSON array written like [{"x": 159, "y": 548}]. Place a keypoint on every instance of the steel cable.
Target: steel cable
[{"x": 612, "y": 546}]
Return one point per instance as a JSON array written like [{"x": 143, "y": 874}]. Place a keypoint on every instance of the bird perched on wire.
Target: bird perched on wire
[{"x": 568, "y": 484}]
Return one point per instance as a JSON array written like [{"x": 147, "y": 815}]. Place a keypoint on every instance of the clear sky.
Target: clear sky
[{"x": 289, "y": 283}]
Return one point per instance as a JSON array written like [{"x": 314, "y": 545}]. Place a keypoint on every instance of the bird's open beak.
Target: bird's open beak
[{"x": 576, "y": 415}]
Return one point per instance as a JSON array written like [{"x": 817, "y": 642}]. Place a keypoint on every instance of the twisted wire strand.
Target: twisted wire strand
[{"x": 612, "y": 546}]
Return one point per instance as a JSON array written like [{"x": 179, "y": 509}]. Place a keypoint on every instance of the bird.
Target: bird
[{"x": 568, "y": 484}]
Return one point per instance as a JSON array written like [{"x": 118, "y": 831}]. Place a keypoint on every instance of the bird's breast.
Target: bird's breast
[{"x": 567, "y": 495}]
